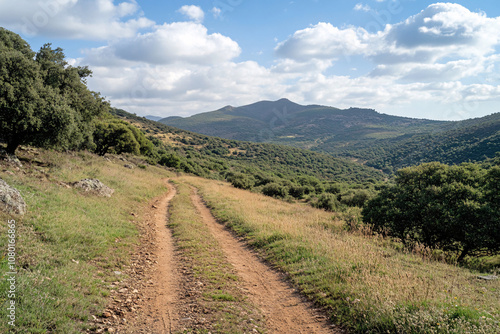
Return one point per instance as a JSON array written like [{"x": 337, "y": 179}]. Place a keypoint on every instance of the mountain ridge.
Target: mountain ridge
[{"x": 364, "y": 134}]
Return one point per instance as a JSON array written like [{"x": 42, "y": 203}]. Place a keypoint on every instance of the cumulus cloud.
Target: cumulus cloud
[
  {"x": 444, "y": 40},
  {"x": 432, "y": 57},
  {"x": 362, "y": 7},
  {"x": 323, "y": 41},
  {"x": 217, "y": 12},
  {"x": 186, "y": 42},
  {"x": 194, "y": 13},
  {"x": 74, "y": 19}
]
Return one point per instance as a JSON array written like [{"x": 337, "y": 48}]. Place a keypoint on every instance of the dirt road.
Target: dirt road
[{"x": 284, "y": 309}]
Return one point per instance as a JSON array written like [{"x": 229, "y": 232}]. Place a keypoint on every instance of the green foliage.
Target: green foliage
[
  {"x": 43, "y": 102},
  {"x": 170, "y": 160},
  {"x": 117, "y": 136},
  {"x": 454, "y": 208},
  {"x": 241, "y": 181},
  {"x": 326, "y": 201},
  {"x": 275, "y": 190},
  {"x": 355, "y": 197}
]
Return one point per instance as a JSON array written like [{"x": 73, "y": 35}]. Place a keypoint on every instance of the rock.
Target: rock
[
  {"x": 10, "y": 159},
  {"x": 128, "y": 166},
  {"x": 94, "y": 186},
  {"x": 11, "y": 200},
  {"x": 106, "y": 314},
  {"x": 488, "y": 278}
]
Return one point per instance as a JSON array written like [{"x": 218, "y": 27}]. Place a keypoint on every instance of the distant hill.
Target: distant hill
[
  {"x": 457, "y": 142},
  {"x": 293, "y": 124},
  {"x": 214, "y": 155},
  {"x": 153, "y": 118},
  {"x": 378, "y": 140}
]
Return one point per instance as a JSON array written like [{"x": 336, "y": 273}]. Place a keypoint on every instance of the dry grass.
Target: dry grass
[
  {"x": 364, "y": 285},
  {"x": 225, "y": 308},
  {"x": 69, "y": 242}
]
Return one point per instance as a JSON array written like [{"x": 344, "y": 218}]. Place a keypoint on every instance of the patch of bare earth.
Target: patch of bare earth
[
  {"x": 285, "y": 310},
  {"x": 145, "y": 302}
]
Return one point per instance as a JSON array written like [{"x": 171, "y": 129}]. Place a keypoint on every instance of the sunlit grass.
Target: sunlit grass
[
  {"x": 69, "y": 243},
  {"x": 228, "y": 311},
  {"x": 364, "y": 285}
]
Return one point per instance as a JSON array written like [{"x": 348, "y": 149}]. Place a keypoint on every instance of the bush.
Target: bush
[
  {"x": 275, "y": 190},
  {"x": 453, "y": 208},
  {"x": 357, "y": 197},
  {"x": 328, "y": 202},
  {"x": 241, "y": 181}
]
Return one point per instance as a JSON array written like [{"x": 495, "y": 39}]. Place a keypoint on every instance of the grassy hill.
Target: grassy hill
[
  {"x": 378, "y": 140},
  {"x": 469, "y": 140},
  {"x": 216, "y": 156}
]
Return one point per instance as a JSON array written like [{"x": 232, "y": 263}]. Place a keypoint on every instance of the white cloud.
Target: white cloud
[
  {"x": 186, "y": 42},
  {"x": 323, "y": 41},
  {"x": 362, "y": 7},
  {"x": 217, "y": 12},
  {"x": 444, "y": 40},
  {"x": 434, "y": 60},
  {"x": 194, "y": 13},
  {"x": 74, "y": 19}
]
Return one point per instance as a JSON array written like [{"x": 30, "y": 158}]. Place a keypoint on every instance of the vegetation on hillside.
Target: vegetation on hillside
[
  {"x": 453, "y": 208},
  {"x": 43, "y": 100},
  {"x": 275, "y": 170},
  {"x": 381, "y": 141},
  {"x": 363, "y": 281}
]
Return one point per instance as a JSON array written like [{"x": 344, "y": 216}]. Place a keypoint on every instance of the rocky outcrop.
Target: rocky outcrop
[
  {"x": 94, "y": 186},
  {"x": 11, "y": 200}
]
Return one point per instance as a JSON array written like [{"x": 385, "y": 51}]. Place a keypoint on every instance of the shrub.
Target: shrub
[
  {"x": 275, "y": 190},
  {"x": 326, "y": 201}
]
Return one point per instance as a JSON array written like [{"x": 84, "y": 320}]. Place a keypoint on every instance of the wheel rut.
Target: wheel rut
[{"x": 285, "y": 310}]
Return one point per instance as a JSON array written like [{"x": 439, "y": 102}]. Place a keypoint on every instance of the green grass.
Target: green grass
[
  {"x": 227, "y": 310},
  {"x": 69, "y": 243},
  {"x": 361, "y": 281}
]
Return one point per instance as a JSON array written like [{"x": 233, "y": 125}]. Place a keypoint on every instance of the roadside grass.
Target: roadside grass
[
  {"x": 363, "y": 283},
  {"x": 225, "y": 308},
  {"x": 70, "y": 243}
]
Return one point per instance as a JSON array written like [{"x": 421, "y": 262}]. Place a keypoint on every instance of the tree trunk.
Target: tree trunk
[
  {"x": 465, "y": 251},
  {"x": 12, "y": 147}
]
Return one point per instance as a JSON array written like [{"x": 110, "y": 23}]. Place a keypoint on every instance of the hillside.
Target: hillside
[
  {"x": 469, "y": 140},
  {"x": 286, "y": 122},
  {"x": 216, "y": 155},
  {"x": 381, "y": 141}
]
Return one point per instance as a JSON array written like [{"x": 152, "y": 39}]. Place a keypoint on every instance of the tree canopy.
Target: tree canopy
[
  {"x": 450, "y": 207},
  {"x": 44, "y": 101}
]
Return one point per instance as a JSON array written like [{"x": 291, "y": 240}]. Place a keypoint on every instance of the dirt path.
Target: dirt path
[
  {"x": 284, "y": 309},
  {"x": 160, "y": 297},
  {"x": 166, "y": 275}
]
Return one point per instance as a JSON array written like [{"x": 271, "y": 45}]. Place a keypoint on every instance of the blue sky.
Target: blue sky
[{"x": 421, "y": 59}]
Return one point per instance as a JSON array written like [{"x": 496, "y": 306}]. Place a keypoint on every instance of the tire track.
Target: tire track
[{"x": 283, "y": 307}]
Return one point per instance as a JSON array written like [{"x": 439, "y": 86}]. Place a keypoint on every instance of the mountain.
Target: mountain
[
  {"x": 212, "y": 157},
  {"x": 293, "y": 124},
  {"x": 378, "y": 140},
  {"x": 153, "y": 118}
]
